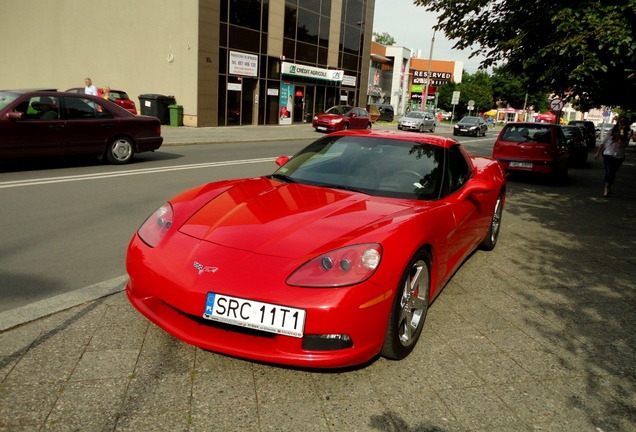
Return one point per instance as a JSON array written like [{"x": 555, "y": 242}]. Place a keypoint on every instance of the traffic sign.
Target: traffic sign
[{"x": 556, "y": 104}]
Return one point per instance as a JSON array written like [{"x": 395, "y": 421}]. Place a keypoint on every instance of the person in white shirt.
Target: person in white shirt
[
  {"x": 613, "y": 151},
  {"x": 90, "y": 89}
]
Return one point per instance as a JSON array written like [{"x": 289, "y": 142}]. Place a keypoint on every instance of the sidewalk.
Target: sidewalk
[{"x": 538, "y": 335}]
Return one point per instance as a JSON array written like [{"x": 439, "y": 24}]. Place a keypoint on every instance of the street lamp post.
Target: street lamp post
[{"x": 428, "y": 74}]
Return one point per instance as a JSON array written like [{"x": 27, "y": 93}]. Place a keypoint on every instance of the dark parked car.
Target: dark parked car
[
  {"x": 418, "y": 121},
  {"x": 48, "y": 123},
  {"x": 120, "y": 97},
  {"x": 471, "y": 126},
  {"x": 590, "y": 131},
  {"x": 577, "y": 146},
  {"x": 533, "y": 147},
  {"x": 342, "y": 117},
  {"x": 387, "y": 113}
]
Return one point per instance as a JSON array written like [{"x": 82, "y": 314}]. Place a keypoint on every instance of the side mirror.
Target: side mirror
[
  {"x": 475, "y": 186},
  {"x": 15, "y": 115},
  {"x": 282, "y": 160}
]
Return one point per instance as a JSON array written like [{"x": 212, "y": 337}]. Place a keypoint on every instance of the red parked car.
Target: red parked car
[
  {"x": 328, "y": 262},
  {"x": 533, "y": 147},
  {"x": 120, "y": 97},
  {"x": 342, "y": 117},
  {"x": 51, "y": 123}
]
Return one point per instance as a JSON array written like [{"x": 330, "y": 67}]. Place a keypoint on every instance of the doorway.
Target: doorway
[{"x": 299, "y": 104}]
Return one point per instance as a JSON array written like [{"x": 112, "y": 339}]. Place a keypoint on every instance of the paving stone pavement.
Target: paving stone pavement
[{"x": 537, "y": 335}]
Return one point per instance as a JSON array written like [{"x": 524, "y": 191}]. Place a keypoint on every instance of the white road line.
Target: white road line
[{"x": 51, "y": 180}]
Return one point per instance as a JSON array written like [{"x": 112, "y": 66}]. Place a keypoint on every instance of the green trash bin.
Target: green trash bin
[{"x": 176, "y": 115}]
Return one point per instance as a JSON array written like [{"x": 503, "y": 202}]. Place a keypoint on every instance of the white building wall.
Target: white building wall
[{"x": 400, "y": 81}]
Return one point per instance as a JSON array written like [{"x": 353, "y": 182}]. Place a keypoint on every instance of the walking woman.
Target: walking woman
[{"x": 613, "y": 150}]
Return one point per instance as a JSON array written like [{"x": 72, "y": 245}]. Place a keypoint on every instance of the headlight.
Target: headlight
[
  {"x": 157, "y": 225},
  {"x": 341, "y": 267}
]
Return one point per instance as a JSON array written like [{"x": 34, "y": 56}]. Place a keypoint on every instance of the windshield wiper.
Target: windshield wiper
[
  {"x": 342, "y": 187},
  {"x": 283, "y": 178}
]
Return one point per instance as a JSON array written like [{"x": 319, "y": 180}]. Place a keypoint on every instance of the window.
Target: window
[
  {"x": 459, "y": 170},
  {"x": 41, "y": 108}
]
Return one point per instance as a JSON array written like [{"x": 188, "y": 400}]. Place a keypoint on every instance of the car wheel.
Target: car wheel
[
  {"x": 454, "y": 134},
  {"x": 120, "y": 151},
  {"x": 345, "y": 126},
  {"x": 369, "y": 126},
  {"x": 410, "y": 305},
  {"x": 433, "y": 128},
  {"x": 421, "y": 128},
  {"x": 490, "y": 241}
]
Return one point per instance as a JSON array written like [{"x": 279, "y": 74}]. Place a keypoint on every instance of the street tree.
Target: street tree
[
  {"x": 512, "y": 90},
  {"x": 384, "y": 39},
  {"x": 583, "y": 50}
]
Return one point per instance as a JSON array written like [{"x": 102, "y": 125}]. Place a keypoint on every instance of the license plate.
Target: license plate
[
  {"x": 255, "y": 315},
  {"x": 520, "y": 164},
  {"x": 463, "y": 130},
  {"x": 321, "y": 128}
]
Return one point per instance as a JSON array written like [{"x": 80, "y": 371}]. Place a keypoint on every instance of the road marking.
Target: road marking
[{"x": 65, "y": 179}]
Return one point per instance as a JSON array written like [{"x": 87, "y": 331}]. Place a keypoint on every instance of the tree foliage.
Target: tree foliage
[
  {"x": 384, "y": 39},
  {"x": 583, "y": 50}
]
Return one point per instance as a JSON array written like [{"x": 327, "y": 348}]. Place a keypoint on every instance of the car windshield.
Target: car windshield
[
  {"x": 415, "y": 114},
  {"x": 375, "y": 166},
  {"x": 6, "y": 98},
  {"x": 339, "y": 109},
  {"x": 538, "y": 133},
  {"x": 469, "y": 120}
]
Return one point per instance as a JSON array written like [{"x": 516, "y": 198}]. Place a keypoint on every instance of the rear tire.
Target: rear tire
[
  {"x": 345, "y": 126},
  {"x": 120, "y": 151},
  {"x": 490, "y": 241},
  {"x": 409, "y": 309}
]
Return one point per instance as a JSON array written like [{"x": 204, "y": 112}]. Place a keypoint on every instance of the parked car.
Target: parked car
[
  {"x": 604, "y": 127},
  {"x": 577, "y": 145},
  {"x": 471, "y": 126},
  {"x": 418, "y": 121},
  {"x": 590, "y": 131},
  {"x": 347, "y": 244},
  {"x": 120, "y": 97},
  {"x": 47, "y": 123},
  {"x": 386, "y": 112},
  {"x": 532, "y": 147},
  {"x": 342, "y": 117}
]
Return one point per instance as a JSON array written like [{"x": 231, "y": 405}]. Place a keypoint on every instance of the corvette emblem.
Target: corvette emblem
[{"x": 204, "y": 269}]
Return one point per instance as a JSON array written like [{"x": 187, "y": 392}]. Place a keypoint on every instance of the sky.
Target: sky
[{"x": 411, "y": 27}]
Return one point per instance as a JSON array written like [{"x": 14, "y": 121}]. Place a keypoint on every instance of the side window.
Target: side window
[
  {"x": 41, "y": 108},
  {"x": 458, "y": 169},
  {"x": 81, "y": 108}
]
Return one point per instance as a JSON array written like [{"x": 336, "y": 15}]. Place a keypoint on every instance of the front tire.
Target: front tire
[
  {"x": 490, "y": 241},
  {"x": 345, "y": 126},
  {"x": 120, "y": 151},
  {"x": 409, "y": 309},
  {"x": 433, "y": 128}
]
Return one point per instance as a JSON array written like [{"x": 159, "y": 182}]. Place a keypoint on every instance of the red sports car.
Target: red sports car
[
  {"x": 342, "y": 117},
  {"x": 328, "y": 262}
]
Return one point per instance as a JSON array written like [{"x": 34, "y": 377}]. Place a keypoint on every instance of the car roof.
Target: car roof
[{"x": 437, "y": 140}]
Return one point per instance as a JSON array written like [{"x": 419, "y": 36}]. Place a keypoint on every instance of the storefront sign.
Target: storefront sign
[
  {"x": 272, "y": 92},
  {"x": 243, "y": 64},
  {"x": 437, "y": 78},
  {"x": 311, "y": 72},
  {"x": 234, "y": 86},
  {"x": 349, "y": 80}
]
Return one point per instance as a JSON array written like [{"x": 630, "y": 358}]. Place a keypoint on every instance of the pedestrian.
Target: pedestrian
[
  {"x": 613, "y": 150},
  {"x": 90, "y": 89}
]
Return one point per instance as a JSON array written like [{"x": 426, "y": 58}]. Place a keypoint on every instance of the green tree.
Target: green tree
[
  {"x": 384, "y": 39},
  {"x": 512, "y": 90},
  {"x": 583, "y": 50}
]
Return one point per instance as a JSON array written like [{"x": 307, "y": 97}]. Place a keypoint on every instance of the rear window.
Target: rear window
[{"x": 527, "y": 133}]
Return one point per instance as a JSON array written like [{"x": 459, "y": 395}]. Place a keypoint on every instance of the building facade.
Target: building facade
[
  {"x": 399, "y": 79},
  {"x": 226, "y": 62}
]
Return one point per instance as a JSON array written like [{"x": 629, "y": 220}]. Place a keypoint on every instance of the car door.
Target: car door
[
  {"x": 467, "y": 213},
  {"x": 89, "y": 125},
  {"x": 31, "y": 131}
]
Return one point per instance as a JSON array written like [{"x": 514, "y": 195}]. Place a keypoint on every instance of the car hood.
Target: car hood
[{"x": 289, "y": 220}]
